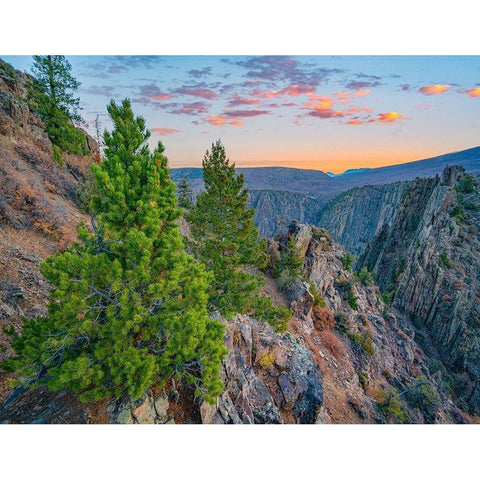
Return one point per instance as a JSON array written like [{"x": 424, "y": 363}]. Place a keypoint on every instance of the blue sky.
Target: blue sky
[{"x": 326, "y": 113}]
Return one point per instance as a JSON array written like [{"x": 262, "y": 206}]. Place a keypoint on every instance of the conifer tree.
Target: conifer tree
[
  {"x": 52, "y": 94},
  {"x": 127, "y": 305},
  {"x": 184, "y": 194},
  {"x": 226, "y": 240}
]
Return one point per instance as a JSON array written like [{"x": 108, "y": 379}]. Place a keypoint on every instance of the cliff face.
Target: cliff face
[
  {"x": 428, "y": 260},
  {"x": 275, "y": 210},
  {"x": 38, "y": 203},
  {"x": 354, "y": 217}
]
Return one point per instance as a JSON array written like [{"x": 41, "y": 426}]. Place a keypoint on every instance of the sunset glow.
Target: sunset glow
[{"x": 325, "y": 113}]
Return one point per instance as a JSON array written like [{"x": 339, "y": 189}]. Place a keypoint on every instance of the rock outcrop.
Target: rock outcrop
[
  {"x": 428, "y": 260},
  {"x": 354, "y": 217},
  {"x": 38, "y": 204}
]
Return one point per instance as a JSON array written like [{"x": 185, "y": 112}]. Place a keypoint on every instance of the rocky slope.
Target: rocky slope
[
  {"x": 428, "y": 260},
  {"x": 38, "y": 202},
  {"x": 354, "y": 217},
  {"x": 338, "y": 362}
]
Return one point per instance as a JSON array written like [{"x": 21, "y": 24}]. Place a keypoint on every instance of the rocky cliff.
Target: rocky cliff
[
  {"x": 275, "y": 210},
  {"x": 354, "y": 217},
  {"x": 38, "y": 202},
  {"x": 428, "y": 261}
]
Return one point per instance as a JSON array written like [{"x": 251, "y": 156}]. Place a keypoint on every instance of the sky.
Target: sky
[{"x": 316, "y": 112}]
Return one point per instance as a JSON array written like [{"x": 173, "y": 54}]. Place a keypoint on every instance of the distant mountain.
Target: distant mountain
[
  {"x": 347, "y": 172},
  {"x": 280, "y": 194},
  {"x": 324, "y": 187},
  {"x": 469, "y": 159}
]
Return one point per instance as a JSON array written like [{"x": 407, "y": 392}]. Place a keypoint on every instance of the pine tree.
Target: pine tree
[
  {"x": 127, "y": 305},
  {"x": 226, "y": 240},
  {"x": 52, "y": 94},
  {"x": 184, "y": 194}
]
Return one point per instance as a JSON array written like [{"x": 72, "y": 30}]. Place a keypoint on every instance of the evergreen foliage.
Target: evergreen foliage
[
  {"x": 290, "y": 262},
  {"x": 51, "y": 93},
  {"x": 127, "y": 305},
  {"x": 348, "y": 260},
  {"x": 226, "y": 240},
  {"x": 184, "y": 194}
]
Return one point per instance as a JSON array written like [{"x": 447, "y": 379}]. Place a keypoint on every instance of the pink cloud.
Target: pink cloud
[
  {"x": 161, "y": 97},
  {"x": 237, "y": 100},
  {"x": 164, "y": 130},
  {"x": 434, "y": 89},
  {"x": 198, "y": 92},
  {"x": 192, "y": 108}
]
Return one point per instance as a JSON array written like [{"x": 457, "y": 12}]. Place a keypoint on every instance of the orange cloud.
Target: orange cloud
[
  {"x": 164, "y": 130},
  {"x": 319, "y": 101},
  {"x": 434, "y": 89},
  {"x": 292, "y": 91},
  {"x": 474, "y": 92},
  {"x": 237, "y": 100},
  {"x": 362, "y": 93},
  {"x": 223, "y": 119},
  {"x": 389, "y": 117},
  {"x": 344, "y": 97}
]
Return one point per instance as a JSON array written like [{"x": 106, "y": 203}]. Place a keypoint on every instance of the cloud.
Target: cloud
[
  {"x": 284, "y": 68},
  {"x": 473, "y": 93},
  {"x": 406, "y": 87},
  {"x": 245, "y": 113},
  {"x": 194, "y": 108},
  {"x": 434, "y": 89},
  {"x": 103, "y": 90},
  {"x": 361, "y": 84},
  {"x": 384, "y": 118},
  {"x": 150, "y": 94},
  {"x": 294, "y": 90},
  {"x": 237, "y": 101},
  {"x": 218, "y": 120},
  {"x": 164, "y": 131},
  {"x": 197, "y": 92},
  {"x": 389, "y": 117},
  {"x": 362, "y": 92},
  {"x": 325, "y": 113},
  {"x": 161, "y": 97},
  {"x": 204, "y": 72}
]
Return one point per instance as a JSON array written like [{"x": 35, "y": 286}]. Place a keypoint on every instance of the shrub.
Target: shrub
[
  {"x": 423, "y": 395},
  {"x": 363, "y": 340},
  {"x": 267, "y": 360},
  {"x": 348, "y": 260},
  {"x": 468, "y": 184},
  {"x": 351, "y": 298},
  {"x": 332, "y": 342},
  {"x": 365, "y": 276},
  {"x": 318, "y": 300},
  {"x": 443, "y": 259},
  {"x": 391, "y": 406},
  {"x": 458, "y": 213},
  {"x": 341, "y": 323},
  {"x": 323, "y": 318},
  {"x": 386, "y": 298}
]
